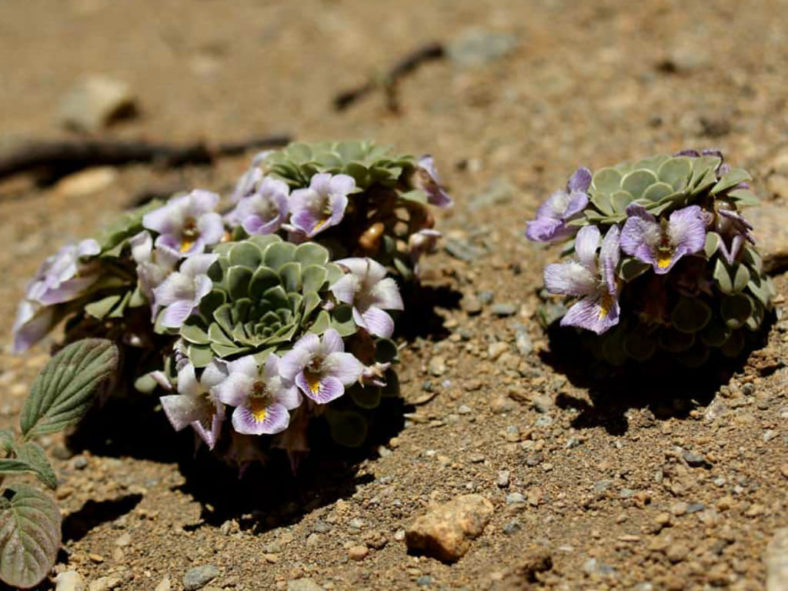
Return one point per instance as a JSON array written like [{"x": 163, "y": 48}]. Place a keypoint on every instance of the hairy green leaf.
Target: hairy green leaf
[
  {"x": 29, "y": 535},
  {"x": 64, "y": 390},
  {"x": 34, "y": 456}
]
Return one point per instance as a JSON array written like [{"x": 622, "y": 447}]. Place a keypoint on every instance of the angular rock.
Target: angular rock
[
  {"x": 69, "y": 580},
  {"x": 777, "y": 561},
  {"x": 94, "y": 102},
  {"x": 199, "y": 576},
  {"x": 446, "y": 532}
]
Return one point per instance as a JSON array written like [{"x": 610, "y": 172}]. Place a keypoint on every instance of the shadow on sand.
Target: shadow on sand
[
  {"x": 662, "y": 384},
  {"x": 263, "y": 496}
]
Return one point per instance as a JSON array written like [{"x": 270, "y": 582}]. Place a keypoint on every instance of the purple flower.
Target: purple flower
[
  {"x": 248, "y": 182},
  {"x": 322, "y": 205},
  {"x": 32, "y": 322},
  {"x": 153, "y": 264},
  {"x": 320, "y": 368},
  {"x": 375, "y": 374},
  {"x": 181, "y": 292},
  {"x": 370, "y": 292},
  {"x": 553, "y": 216},
  {"x": 195, "y": 404},
  {"x": 662, "y": 244},
  {"x": 592, "y": 280},
  {"x": 188, "y": 223},
  {"x": 732, "y": 226},
  {"x": 265, "y": 210},
  {"x": 62, "y": 277},
  {"x": 427, "y": 180},
  {"x": 262, "y": 402}
]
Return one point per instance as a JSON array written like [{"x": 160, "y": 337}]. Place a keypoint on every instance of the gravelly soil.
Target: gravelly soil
[{"x": 609, "y": 485}]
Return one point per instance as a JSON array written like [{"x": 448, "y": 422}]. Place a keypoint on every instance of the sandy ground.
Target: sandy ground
[{"x": 607, "y": 491}]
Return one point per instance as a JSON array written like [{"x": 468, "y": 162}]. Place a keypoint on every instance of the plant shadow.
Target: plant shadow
[
  {"x": 259, "y": 498},
  {"x": 664, "y": 386},
  {"x": 422, "y": 320}
]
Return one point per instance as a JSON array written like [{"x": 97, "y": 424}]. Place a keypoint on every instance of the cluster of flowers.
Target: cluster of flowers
[
  {"x": 662, "y": 257},
  {"x": 273, "y": 302}
]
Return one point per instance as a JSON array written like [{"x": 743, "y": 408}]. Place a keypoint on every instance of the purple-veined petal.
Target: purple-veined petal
[
  {"x": 577, "y": 203},
  {"x": 641, "y": 235},
  {"x": 590, "y": 314},
  {"x": 327, "y": 389},
  {"x": 554, "y": 206},
  {"x": 609, "y": 256},
  {"x": 67, "y": 290},
  {"x": 586, "y": 243},
  {"x": 321, "y": 183},
  {"x": 338, "y": 204},
  {"x": 377, "y": 322},
  {"x": 175, "y": 287},
  {"x": 343, "y": 366},
  {"x": 546, "y": 230},
  {"x": 687, "y": 230},
  {"x": 176, "y": 313},
  {"x": 250, "y": 420},
  {"x": 306, "y": 221},
  {"x": 197, "y": 264},
  {"x": 569, "y": 278},
  {"x": 580, "y": 180},
  {"x": 289, "y": 397}
]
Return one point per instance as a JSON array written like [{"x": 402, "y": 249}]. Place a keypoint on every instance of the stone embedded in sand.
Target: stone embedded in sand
[
  {"x": 199, "y": 576},
  {"x": 69, "y": 580},
  {"x": 770, "y": 223},
  {"x": 94, "y": 102},
  {"x": 777, "y": 561},
  {"x": 445, "y": 532}
]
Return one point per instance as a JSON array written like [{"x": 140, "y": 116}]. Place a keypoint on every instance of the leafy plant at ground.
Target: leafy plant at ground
[
  {"x": 29, "y": 518},
  {"x": 661, "y": 260},
  {"x": 253, "y": 313}
]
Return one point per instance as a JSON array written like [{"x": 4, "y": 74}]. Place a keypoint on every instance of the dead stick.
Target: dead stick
[
  {"x": 77, "y": 154},
  {"x": 403, "y": 67}
]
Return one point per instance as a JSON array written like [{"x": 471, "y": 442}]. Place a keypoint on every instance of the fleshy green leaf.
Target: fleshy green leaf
[
  {"x": 29, "y": 535},
  {"x": 64, "y": 390},
  {"x": 733, "y": 178},
  {"x": 690, "y": 315},
  {"x": 101, "y": 308}
]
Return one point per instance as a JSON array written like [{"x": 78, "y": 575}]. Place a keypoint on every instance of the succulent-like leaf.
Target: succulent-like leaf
[
  {"x": 29, "y": 535},
  {"x": 64, "y": 390},
  {"x": 348, "y": 428}
]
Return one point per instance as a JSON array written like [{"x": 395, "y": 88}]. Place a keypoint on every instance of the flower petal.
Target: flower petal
[
  {"x": 344, "y": 367},
  {"x": 296, "y": 359},
  {"x": 329, "y": 388},
  {"x": 588, "y": 313},
  {"x": 234, "y": 390},
  {"x": 181, "y": 410},
  {"x": 274, "y": 419},
  {"x": 569, "y": 278},
  {"x": 580, "y": 180},
  {"x": 31, "y": 324},
  {"x": 341, "y": 184},
  {"x": 687, "y": 230},
  {"x": 386, "y": 295},
  {"x": 586, "y": 243},
  {"x": 332, "y": 342},
  {"x": 176, "y": 313},
  {"x": 377, "y": 322}
]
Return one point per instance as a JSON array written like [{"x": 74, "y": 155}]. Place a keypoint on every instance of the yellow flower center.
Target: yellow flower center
[
  {"x": 312, "y": 380},
  {"x": 189, "y": 235},
  {"x": 258, "y": 408},
  {"x": 605, "y": 304},
  {"x": 663, "y": 260}
]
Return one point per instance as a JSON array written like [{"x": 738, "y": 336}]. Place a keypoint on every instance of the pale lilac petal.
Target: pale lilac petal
[
  {"x": 332, "y": 342},
  {"x": 141, "y": 247},
  {"x": 546, "y": 230},
  {"x": 174, "y": 288},
  {"x": 569, "y": 278},
  {"x": 343, "y": 366},
  {"x": 580, "y": 180},
  {"x": 305, "y": 221},
  {"x": 201, "y": 201},
  {"x": 176, "y": 313},
  {"x": 88, "y": 247},
  {"x": 589, "y": 314},
  {"x": 338, "y": 204},
  {"x": 214, "y": 374},
  {"x": 289, "y": 397},
  {"x": 344, "y": 289},
  {"x": 377, "y": 322},
  {"x": 341, "y": 184},
  {"x": 67, "y": 290},
  {"x": 577, "y": 203},
  {"x": 321, "y": 183},
  {"x": 586, "y": 243},
  {"x": 610, "y": 255},
  {"x": 436, "y": 194},
  {"x": 641, "y": 235},
  {"x": 187, "y": 382},
  {"x": 295, "y": 360},
  {"x": 31, "y": 324},
  {"x": 211, "y": 228},
  {"x": 181, "y": 410},
  {"x": 730, "y": 254},
  {"x": 363, "y": 266},
  {"x": 234, "y": 390},
  {"x": 329, "y": 388},
  {"x": 554, "y": 206},
  {"x": 209, "y": 427},
  {"x": 274, "y": 419},
  {"x": 246, "y": 184},
  {"x": 246, "y": 365},
  {"x": 197, "y": 264},
  {"x": 161, "y": 220},
  {"x": 386, "y": 295},
  {"x": 687, "y": 230}
]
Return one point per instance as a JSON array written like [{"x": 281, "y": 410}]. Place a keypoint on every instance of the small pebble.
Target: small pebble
[{"x": 199, "y": 576}]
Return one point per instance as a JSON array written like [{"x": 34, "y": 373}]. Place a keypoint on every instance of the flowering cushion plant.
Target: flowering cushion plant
[
  {"x": 252, "y": 314},
  {"x": 659, "y": 257}
]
